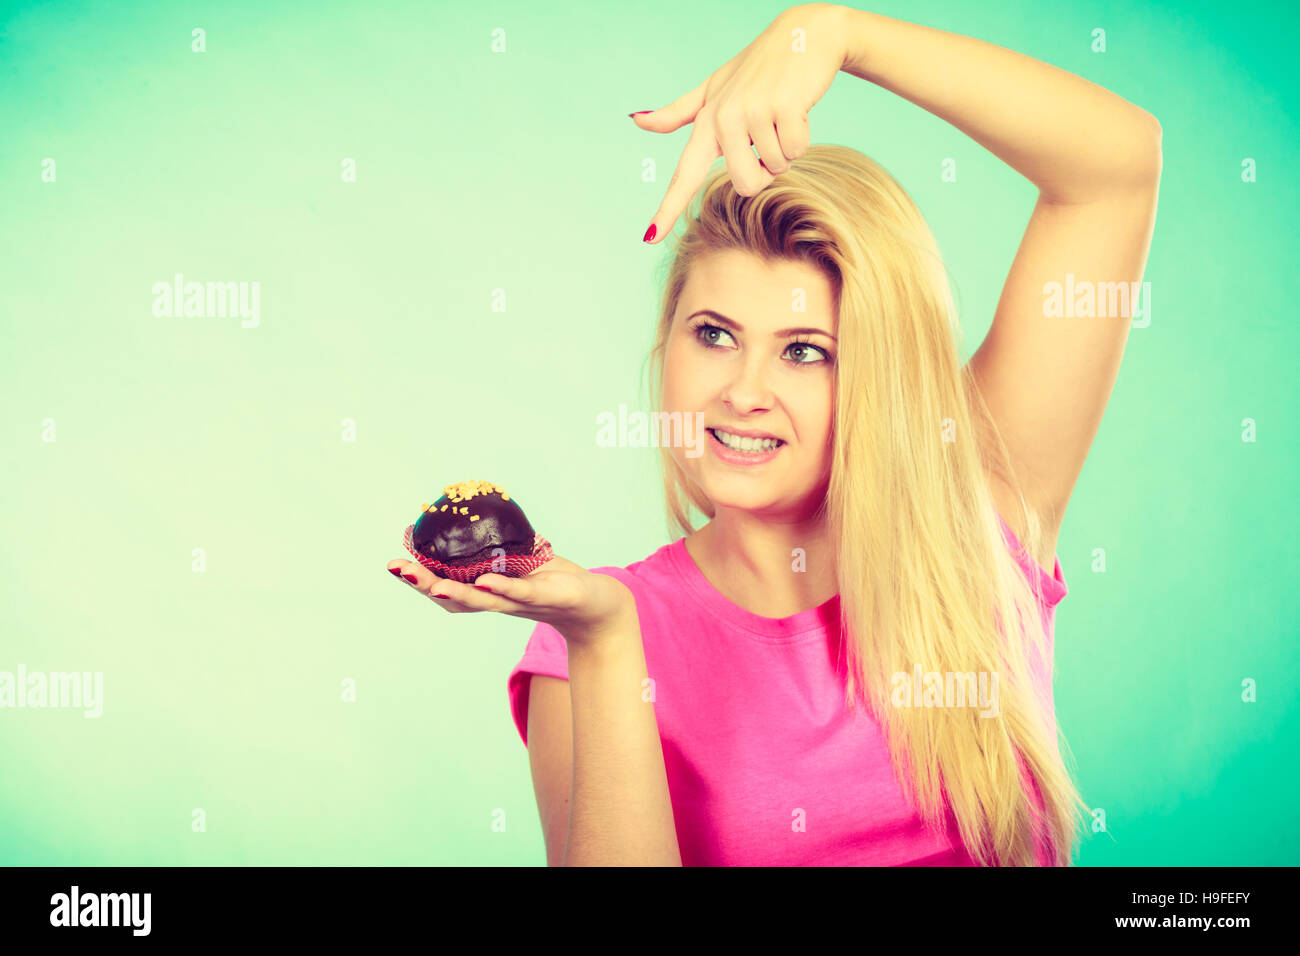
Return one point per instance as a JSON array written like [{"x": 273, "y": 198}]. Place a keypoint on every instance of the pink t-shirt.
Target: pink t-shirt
[{"x": 766, "y": 766}]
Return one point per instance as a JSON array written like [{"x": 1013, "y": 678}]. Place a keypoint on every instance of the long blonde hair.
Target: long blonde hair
[{"x": 924, "y": 576}]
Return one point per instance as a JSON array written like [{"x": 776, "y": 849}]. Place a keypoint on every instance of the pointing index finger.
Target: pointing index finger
[{"x": 700, "y": 152}]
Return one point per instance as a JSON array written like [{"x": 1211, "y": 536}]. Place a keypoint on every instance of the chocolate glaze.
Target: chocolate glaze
[{"x": 454, "y": 539}]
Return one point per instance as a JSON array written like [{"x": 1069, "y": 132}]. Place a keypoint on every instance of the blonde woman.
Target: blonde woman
[{"x": 850, "y": 661}]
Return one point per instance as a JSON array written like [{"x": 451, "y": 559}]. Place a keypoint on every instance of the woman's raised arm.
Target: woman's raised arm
[{"x": 1050, "y": 360}]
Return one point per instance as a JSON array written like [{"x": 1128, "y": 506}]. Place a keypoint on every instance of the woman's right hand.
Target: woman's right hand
[{"x": 581, "y": 605}]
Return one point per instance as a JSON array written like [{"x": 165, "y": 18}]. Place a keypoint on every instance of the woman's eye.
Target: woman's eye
[
  {"x": 702, "y": 333},
  {"x": 805, "y": 349}
]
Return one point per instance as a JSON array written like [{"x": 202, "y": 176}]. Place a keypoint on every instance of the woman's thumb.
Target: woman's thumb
[{"x": 521, "y": 590}]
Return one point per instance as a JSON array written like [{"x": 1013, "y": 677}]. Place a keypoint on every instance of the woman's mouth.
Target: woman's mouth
[{"x": 735, "y": 450}]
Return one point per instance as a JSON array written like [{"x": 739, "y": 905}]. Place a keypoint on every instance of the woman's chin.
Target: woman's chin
[{"x": 727, "y": 493}]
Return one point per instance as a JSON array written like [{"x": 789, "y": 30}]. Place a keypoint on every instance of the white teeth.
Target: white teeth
[{"x": 737, "y": 443}]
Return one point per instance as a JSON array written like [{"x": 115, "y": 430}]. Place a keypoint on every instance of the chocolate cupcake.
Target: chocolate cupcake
[{"x": 475, "y": 528}]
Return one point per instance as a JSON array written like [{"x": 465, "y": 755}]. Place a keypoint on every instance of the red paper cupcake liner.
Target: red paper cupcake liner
[{"x": 511, "y": 565}]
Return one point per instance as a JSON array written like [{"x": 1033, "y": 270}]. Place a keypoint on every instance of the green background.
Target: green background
[{"x": 520, "y": 171}]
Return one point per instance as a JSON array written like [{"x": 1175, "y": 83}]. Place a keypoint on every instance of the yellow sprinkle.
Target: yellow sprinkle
[
  {"x": 443, "y": 508},
  {"x": 473, "y": 518},
  {"x": 424, "y": 507},
  {"x": 460, "y": 491}
]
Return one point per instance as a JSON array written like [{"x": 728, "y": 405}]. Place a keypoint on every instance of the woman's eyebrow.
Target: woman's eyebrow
[{"x": 780, "y": 333}]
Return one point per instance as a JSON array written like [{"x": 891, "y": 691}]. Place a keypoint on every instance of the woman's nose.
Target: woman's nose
[{"x": 748, "y": 390}]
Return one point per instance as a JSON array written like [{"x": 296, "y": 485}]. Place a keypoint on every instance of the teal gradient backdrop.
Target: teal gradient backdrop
[{"x": 485, "y": 177}]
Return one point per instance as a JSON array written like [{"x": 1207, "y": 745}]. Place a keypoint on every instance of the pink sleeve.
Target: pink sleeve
[
  {"x": 1050, "y": 587},
  {"x": 546, "y": 654}
]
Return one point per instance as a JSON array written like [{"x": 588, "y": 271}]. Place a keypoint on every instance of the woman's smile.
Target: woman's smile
[{"x": 743, "y": 451}]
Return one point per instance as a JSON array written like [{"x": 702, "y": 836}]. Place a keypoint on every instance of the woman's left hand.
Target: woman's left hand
[{"x": 763, "y": 95}]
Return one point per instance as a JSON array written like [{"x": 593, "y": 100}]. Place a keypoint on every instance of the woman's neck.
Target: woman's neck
[{"x": 768, "y": 568}]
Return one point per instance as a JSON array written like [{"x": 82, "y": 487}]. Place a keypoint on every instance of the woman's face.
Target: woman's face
[{"x": 755, "y": 364}]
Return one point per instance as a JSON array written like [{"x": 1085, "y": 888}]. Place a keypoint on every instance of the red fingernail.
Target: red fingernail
[
  {"x": 639, "y": 112},
  {"x": 411, "y": 577},
  {"x": 481, "y": 588},
  {"x": 649, "y": 233},
  {"x": 396, "y": 571}
]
